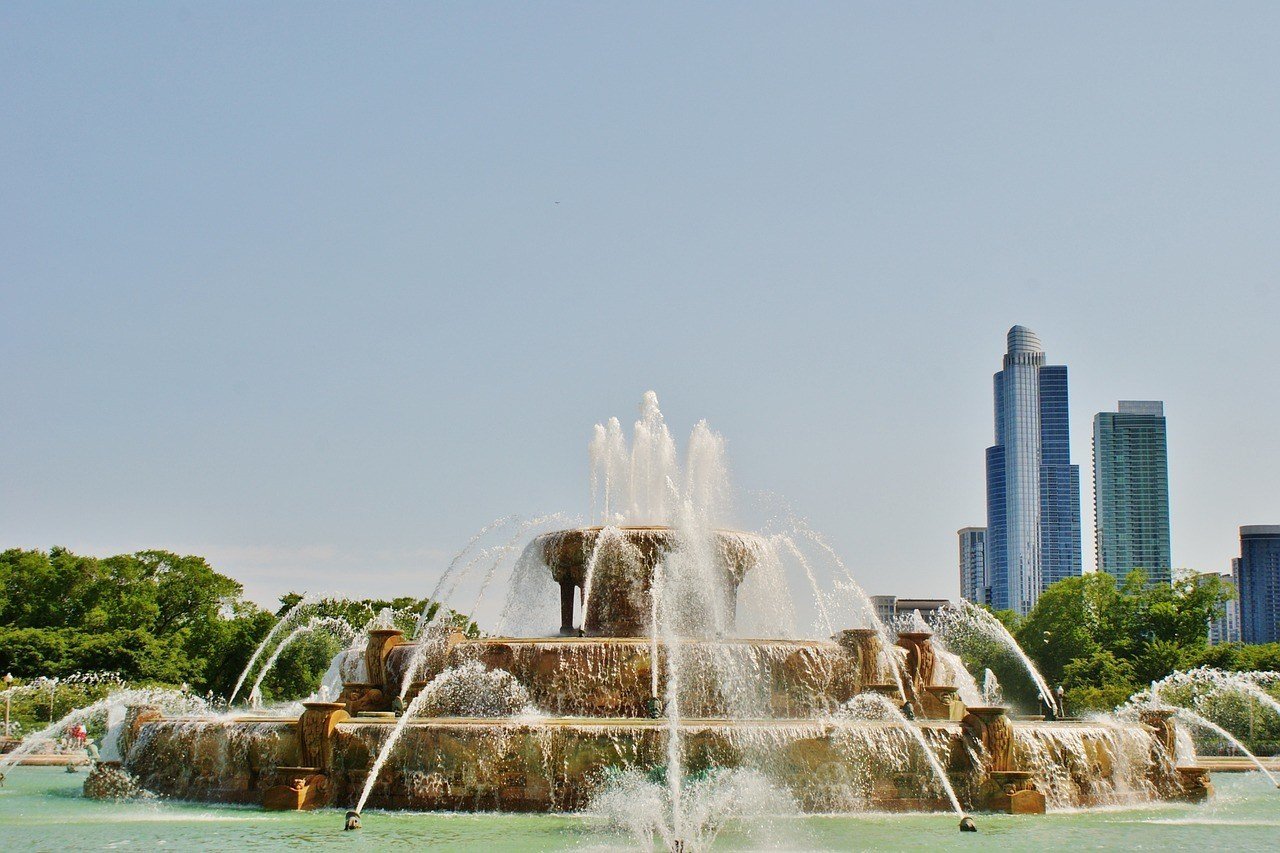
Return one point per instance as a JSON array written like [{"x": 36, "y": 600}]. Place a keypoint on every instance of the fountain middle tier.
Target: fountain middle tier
[{"x": 613, "y": 677}]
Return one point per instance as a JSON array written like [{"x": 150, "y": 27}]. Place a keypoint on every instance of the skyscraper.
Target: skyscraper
[
  {"x": 973, "y": 562},
  {"x": 1259, "y": 583},
  {"x": 1131, "y": 490},
  {"x": 1033, "y": 490},
  {"x": 1226, "y": 628}
]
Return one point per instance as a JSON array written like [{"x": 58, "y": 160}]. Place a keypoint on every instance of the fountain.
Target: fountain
[{"x": 650, "y": 658}]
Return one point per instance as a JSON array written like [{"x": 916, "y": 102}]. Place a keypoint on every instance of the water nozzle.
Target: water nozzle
[
  {"x": 353, "y": 821},
  {"x": 967, "y": 824}
]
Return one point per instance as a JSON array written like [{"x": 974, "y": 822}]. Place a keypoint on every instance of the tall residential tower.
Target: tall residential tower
[
  {"x": 973, "y": 564},
  {"x": 1131, "y": 490},
  {"x": 1033, "y": 490}
]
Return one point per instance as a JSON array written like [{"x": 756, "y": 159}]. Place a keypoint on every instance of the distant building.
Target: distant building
[
  {"x": 1226, "y": 628},
  {"x": 1033, "y": 490},
  {"x": 889, "y": 607},
  {"x": 1131, "y": 490},
  {"x": 973, "y": 564},
  {"x": 1259, "y": 583}
]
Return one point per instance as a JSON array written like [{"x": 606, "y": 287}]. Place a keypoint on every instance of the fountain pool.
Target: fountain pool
[{"x": 42, "y": 809}]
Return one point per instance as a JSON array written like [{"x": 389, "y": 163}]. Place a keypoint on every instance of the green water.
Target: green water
[{"x": 41, "y": 809}]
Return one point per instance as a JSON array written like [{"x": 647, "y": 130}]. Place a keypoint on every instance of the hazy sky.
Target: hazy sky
[{"x": 319, "y": 290}]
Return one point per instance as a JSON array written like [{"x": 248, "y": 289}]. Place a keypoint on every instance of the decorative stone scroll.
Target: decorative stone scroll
[
  {"x": 929, "y": 700},
  {"x": 381, "y": 642},
  {"x": 315, "y": 733},
  {"x": 1160, "y": 720}
]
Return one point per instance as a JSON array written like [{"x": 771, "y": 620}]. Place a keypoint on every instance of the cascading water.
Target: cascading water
[
  {"x": 871, "y": 706},
  {"x": 1214, "y": 680}
]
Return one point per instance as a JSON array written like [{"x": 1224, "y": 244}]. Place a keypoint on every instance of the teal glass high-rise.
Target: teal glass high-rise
[
  {"x": 1033, "y": 490},
  {"x": 1131, "y": 490}
]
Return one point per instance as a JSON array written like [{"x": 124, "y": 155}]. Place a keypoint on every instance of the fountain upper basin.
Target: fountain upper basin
[{"x": 611, "y": 570}]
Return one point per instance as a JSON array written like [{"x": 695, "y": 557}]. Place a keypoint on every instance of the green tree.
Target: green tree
[{"x": 1100, "y": 638}]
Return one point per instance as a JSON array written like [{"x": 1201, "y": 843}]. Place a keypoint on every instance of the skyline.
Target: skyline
[{"x": 291, "y": 292}]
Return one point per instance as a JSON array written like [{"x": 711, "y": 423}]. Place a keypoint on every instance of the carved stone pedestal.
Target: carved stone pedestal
[
  {"x": 1196, "y": 786},
  {"x": 306, "y": 785},
  {"x": 865, "y": 646},
  {"x": 1013, "y": 792}
]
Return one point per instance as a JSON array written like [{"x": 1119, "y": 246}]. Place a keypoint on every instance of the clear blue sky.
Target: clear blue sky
[{"x": 317, "y": 290}]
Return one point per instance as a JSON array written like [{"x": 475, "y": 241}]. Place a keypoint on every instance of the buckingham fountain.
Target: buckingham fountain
[{"x": 646, "y": 666}]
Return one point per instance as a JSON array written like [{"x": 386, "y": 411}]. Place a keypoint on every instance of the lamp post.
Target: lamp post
[{"x": 8, "y": 685}]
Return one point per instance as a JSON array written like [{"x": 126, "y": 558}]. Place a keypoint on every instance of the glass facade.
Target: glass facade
[
  {"x": 1259, "y": 582},
  {"x": 1033, "y": 490},
  {"x": 973, "y": 564},
  {"x": 1131, "y": 490}
]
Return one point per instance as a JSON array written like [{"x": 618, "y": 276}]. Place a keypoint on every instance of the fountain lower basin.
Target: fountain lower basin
[
  {"x": 789, "y": 709},
  {"x": 555, "y": 764}
]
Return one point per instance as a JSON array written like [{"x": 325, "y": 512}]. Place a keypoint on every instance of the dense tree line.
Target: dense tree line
[
  {"x": 1102, "y": 640},
  {"x": 159, "y": 618}
]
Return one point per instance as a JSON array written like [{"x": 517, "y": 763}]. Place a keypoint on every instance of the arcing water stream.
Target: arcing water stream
[
  {"x": 288, "y": 620},
  {"x": 872, "y": 706},
  {"x": 335, "y": 626},
  {"x": 955, "y": 623}
]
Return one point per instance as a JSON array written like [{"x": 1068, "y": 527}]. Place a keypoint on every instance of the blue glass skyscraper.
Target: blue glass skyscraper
[
  {"x": 1033, "y": 490},
  {"x": 1258, "y": 578}
]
